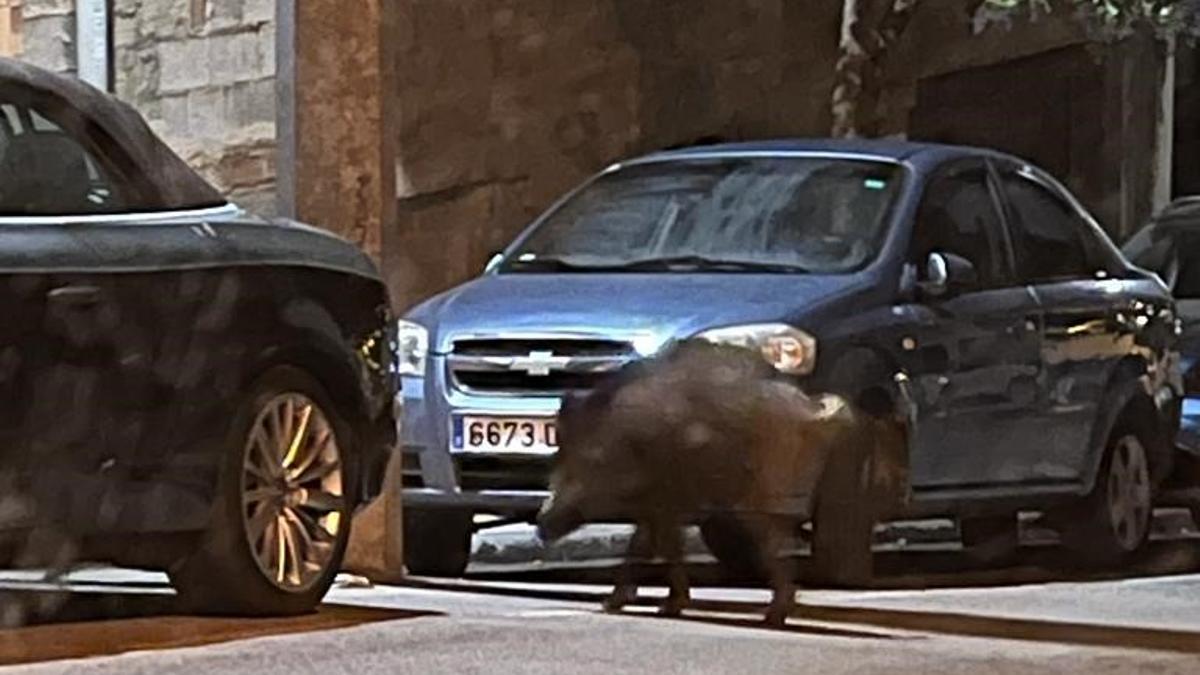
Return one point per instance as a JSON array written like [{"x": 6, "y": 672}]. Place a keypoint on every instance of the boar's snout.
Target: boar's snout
[{"x": 556, "y": 520}]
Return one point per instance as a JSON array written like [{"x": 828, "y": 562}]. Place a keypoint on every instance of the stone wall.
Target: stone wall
[
  {"x": 48, "y": 34},
  {"x": 203, "y": 73},
  {"x": 503, "y": 105}
]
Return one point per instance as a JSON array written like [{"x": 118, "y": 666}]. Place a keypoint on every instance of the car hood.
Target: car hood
[{"x": 657, "y": 307}]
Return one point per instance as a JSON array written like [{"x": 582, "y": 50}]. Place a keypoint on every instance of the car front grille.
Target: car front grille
[
  {"x": 490, "y": 472},
  {"x": 548, "y": 366}
]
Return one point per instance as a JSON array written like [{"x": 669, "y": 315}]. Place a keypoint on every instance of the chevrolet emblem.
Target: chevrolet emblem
[{"x": 539, "y": 364}]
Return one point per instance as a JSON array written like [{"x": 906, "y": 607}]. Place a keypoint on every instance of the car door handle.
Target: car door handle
[{"x": 76, "y": 296}]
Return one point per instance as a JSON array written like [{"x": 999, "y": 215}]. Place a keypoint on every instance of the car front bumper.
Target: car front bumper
[
  {"x": 435, "y": 476},
  {"x": 510, "y": 503}
]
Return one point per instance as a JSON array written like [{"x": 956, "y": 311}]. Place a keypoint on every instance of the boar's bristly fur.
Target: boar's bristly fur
[{"x": 700, "y": 431}]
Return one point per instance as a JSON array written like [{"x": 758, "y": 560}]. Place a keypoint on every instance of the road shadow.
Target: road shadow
[
  {"x": 34, "y": 606},
  {"x": 39, "y": 624},
  {"x": 897, "y": 572},
  {"x": 913, "y": 622},
  {"x": 971, "y": 625},
  {"x": 793, "y": 626}
]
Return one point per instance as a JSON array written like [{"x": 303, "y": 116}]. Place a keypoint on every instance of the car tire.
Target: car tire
[
  {"x": 733, "y": 546},
  {"x": 437, "y": 542},
  {"x": 1113, "y": 522},
  {"x": 844, "y": 521},
  {"x": 990, "y": 540},
  {"x": 282, "y": 513}
]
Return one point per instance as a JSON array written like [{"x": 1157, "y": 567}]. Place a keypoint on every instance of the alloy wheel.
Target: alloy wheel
[
  {"x": 292, "y": 492},
  {"x": 1128, "y": 491}
]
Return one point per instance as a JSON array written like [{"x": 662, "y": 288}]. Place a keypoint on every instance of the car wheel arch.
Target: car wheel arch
[
  {"x": 306, "y": 335},
  {"x": 324, "y": 363},
  {"x": 1129, "y": 402},
  {"x": 864, "y": 375}
]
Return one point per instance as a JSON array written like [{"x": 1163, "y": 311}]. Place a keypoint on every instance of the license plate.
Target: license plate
[{"x": 535, "y": 435}]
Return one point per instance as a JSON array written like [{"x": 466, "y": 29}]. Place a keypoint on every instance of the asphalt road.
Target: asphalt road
[{"x": 932, "y": 613}]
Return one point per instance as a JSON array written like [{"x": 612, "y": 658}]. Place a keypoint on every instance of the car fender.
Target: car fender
[
  {"x": 307, "y": 336},
  {"x": 864, "y": 374},
  {"x": 878, "y": 386},
  {"x": 1137, "y": 396}
]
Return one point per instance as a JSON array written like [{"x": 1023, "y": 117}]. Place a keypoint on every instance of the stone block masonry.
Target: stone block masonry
[
  {"x": 504, "y": 105},
  {"x": 202, "y": 72},
  {"x": 48, "y": 34}
]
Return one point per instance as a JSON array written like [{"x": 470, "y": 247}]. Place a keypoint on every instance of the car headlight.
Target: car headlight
[
  {"x": 790, "y": 350},
  {"x": 412, "y": 345}
]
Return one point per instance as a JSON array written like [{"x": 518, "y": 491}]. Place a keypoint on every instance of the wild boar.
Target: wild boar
[{"x": 700, "y": 430}]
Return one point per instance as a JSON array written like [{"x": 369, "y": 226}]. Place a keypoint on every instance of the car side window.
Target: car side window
[
  {"x": 1047, "y": 233},
  {"x": 958, "y": 215},
  {"x": 44, "y": 171}
]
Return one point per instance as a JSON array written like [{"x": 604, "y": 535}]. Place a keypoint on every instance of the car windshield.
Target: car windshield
[{"x": 781, "y": 214}]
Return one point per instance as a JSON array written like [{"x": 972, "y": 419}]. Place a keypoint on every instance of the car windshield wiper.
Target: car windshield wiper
[
  {"x": 552, "y": 264},
  {"x": 684, "y": 263},
  {"x": 705, "y": 263}
]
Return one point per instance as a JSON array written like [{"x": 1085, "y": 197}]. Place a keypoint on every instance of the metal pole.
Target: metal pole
[
  {"x": 1164, "y": 151},
  {"x": 91, "y": 42},
  {"x": 285, "y": 108}
]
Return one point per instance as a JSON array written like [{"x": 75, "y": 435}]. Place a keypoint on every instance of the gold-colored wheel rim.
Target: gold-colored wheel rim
[{"x": 292, "y": 498}]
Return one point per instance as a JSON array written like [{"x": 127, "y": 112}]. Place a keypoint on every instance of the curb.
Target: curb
[{"x": 513, "y": 545}]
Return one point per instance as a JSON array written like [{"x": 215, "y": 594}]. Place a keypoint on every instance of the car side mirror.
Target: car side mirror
[
  {"x": 493, "y": 262},
  {"x": 946, "y": 273}
]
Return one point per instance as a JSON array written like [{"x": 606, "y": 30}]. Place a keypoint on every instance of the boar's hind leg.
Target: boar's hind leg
[
  {"x": 641, "y": 549},
  {"x": 670, "y": 545},
  {"x": 771, "y": 535}
]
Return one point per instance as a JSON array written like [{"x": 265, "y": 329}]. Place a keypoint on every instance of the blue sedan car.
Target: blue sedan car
[{"x": 968, "y": 289}]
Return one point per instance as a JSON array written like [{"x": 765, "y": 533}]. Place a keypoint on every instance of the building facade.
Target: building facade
[
  {"x": 431, "y": 131},
  {"x": 201, "y": 71}
]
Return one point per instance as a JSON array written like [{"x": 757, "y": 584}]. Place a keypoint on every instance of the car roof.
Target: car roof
[
  {"x": 913, "y": 152},
  {"x": 168, "y": 181}
]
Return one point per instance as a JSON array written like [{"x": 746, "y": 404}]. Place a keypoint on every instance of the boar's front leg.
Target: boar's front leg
[
  {"x": 641, "y": 549},
  {"x": 670, "y": 545}
]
